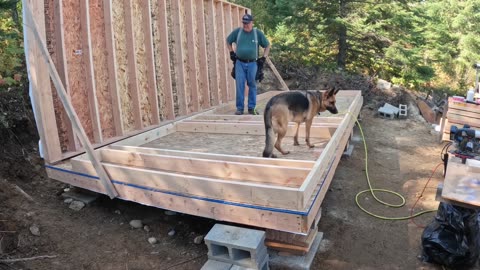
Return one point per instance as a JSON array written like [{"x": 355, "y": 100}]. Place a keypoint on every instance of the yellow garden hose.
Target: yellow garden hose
[{"x": 373, "y": 190}]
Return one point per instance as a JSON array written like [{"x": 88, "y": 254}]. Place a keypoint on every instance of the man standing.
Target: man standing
[{"x": 247, "y": 40}]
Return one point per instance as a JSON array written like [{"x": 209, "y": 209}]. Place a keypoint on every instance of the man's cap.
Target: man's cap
[{"x": 247, "y": 18}]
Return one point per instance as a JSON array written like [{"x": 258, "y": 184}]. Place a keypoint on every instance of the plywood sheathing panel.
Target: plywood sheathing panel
[
  {"x": 211, "y": 33},
  {"x": 52, "y": 26},
  {"x": 201, "y": 45},
  {"x": 191, "y": 54},
  {"x": 227, "y": 21},
  {"x": 121, "y": 57},
  {"x": 75, "y": 64},
  {"x": 162, "y": 59},
  {"x": 100, "y": 66},
  {"x": 222, "y": 48},
  {"x": 141, "y": 67},
  {"x": 89, "y": 70}
]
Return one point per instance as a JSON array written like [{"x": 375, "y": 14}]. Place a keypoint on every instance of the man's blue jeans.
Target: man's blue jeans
[{"x": 246, "y": 72}]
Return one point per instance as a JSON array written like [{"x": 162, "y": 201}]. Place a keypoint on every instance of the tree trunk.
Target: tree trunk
[{"x": 342, "y": 37}]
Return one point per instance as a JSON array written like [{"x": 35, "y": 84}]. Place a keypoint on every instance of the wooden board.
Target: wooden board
[{"x": 462, "y": 183}]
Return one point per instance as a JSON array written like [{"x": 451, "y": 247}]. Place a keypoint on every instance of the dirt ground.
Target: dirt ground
[{"x": 401, "y": 157}]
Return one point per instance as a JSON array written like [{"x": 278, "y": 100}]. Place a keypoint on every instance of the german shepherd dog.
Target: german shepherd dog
[{"x": 298, "y": 107}]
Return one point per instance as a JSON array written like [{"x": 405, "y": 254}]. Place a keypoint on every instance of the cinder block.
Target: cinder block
[
  {"x": 236, "y": 245},
  {"x": 386, "y": 113},
  {"x": 403, "y": 110},
  {"x": 216, "y": 265},
  {"x": 391, "y": 108},
  {"x": 263, "y": 265}
]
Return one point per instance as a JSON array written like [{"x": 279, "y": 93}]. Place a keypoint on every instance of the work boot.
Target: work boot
[
  {"x": 253, "y": 112},
  {"x": 238, "y": 113}
]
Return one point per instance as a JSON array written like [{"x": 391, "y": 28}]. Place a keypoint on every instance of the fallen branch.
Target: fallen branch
[
  {"x": 23, "y": 193},
  {"x": 28, "y": 259}
]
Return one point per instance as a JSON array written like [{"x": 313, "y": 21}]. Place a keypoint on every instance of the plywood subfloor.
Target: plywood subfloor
[{"x": 243, "y": 145}]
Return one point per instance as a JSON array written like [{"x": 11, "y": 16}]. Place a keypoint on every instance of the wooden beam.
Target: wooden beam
[
  {"x": 112, "y": 67},
  {"x": 132, "y": 65},
  {"x": 222, "y": 48},
  {"x": 90, "y": 74},
  {"x": 275, "y": 72},
  {"x": 233, "y": 158},
  {"x": 41, "y": 91},
  {"x": 179, "y": 58},
  {"x": 107, "y": 184},
  {"x": 164, "y": 57},
  {"x": 250, "y": 129},
  {"x": 265, "y": 217},
  {"x": 331, "y": 149},
  {"x": 213, "y": 188},
  {"x": 150, "y": 59},
  {"x": 213, "y": 68},
  {"x": 191, "y": 56},
  {"x": 204, "y": 86},
  {"x": 326, "y": 121},
  {"x": 271, "y": 174}
]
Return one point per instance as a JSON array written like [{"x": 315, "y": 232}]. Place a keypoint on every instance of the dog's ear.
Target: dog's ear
[
  {"x": 330, "y": 92},
  {"x": 336, "y": 91}
]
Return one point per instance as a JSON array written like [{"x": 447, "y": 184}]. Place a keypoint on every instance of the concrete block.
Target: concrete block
[
  {"x": 236, "y": 245},
  {"x": 216, "y": 265},
  {"x": 403, "y": 111},
  {"x": 81, "y": 195},
  {"x": 348, "y": 152},
  {"x": 391, "y": 108},
  {"x": 263, "y": 265},
  {"x": 304, "y": 262}
]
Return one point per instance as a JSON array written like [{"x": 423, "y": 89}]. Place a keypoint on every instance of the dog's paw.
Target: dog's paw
[
  {"x": 286, "y": 152},
  {"x": 311, "y": 145},
  {"x": 273, "y": 156},
  {"x": 296, "y": 144}
]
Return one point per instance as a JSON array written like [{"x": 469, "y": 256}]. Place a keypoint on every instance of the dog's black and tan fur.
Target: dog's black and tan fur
[{"x": 298, "y": 107}]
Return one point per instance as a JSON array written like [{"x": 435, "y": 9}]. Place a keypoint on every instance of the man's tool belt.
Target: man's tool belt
[{"x": 246, "y": 61}]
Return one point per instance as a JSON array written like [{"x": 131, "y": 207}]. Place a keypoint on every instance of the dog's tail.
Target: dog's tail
[{"x": 269, "y": 134}]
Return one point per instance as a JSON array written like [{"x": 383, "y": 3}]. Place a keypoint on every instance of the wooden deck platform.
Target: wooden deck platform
[{"x": 209, "y": 165}]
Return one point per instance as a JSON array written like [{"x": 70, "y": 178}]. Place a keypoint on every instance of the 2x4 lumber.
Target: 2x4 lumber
[
  {"x": 227, "y": 16},
  {"x": 239, "y": 213},
  {"x": 276, "y": 175},
  {"x": 315, "y": 122},
  {"x": 90, "y": 76},
  {"x": 179, "y": 58},
  {"x": 211, "y": 156},
  {"x": 212, "y": 53},
  {"x": 150, "y": 59},
  {"x": 275, "y": 72},
  {"x": 232, "y": 104},
  {"x": 331, "y": 149},
  {"x": 107, "y": 184},
  {"x": 112, "y": 67},
  {"x": 192, "y": 55},
  {"x": 164, "y": 56},
  {"x": 462, "y": 120},
  {"x": 249, "y": 117},
  {"x": 456, "y": 112},
  {"x": 205, "y": 187},
  {"x": 314, "y": 211},
  {"x": 132, "y": 65},
  {"x": 204, "y": 86},
  {"x": 250, "y": 128},
  {"x": 222, "y": 51},
  {"x": 40, "y": 82},
  {"x": 61, "y": 64}
]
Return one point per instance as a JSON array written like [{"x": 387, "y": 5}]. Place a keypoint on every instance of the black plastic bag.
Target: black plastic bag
[{"x": 452, "y": 239}]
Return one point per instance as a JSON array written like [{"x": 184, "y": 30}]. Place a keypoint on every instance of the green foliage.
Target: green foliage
[
  {"x": 419, "y": 44},
  {"x": 11, "y": 45}
]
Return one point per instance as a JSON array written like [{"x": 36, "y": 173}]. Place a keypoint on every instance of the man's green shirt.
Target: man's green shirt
[{"x": 246, "y": 46}]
